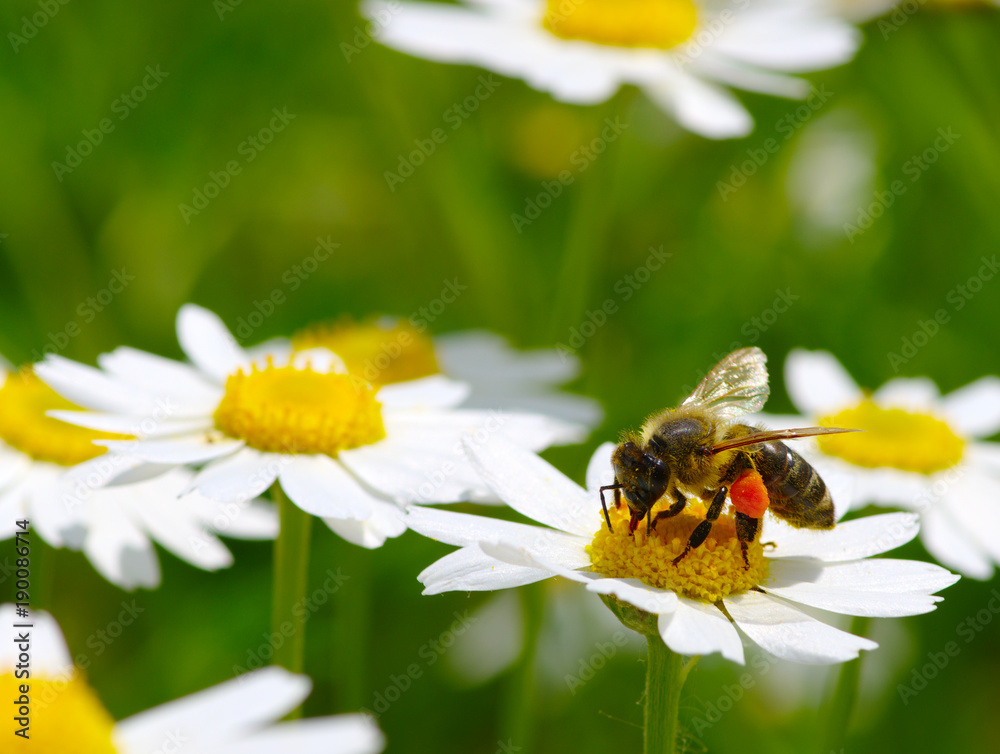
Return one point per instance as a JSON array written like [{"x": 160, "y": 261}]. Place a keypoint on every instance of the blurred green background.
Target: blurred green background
[{"x": 221, "y": 70}]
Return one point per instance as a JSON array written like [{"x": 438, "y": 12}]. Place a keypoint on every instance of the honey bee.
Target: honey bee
[{"x": 697, "y": 449}]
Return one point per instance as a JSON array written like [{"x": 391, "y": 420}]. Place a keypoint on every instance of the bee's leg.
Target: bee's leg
[
  {"x": 604, "y": 506},
  {"x": 674, "y": 509},
  {"x": 701, "y": 531},
  {"x": 746, "y": 531}
]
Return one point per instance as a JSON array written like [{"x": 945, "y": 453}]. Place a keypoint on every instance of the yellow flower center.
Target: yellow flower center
[
  {"x": 709, "y": 572},
  {"x": 382, "y": 351},
  {"x": 24, "y": 399},
  {"x": 623, "y": 23},
  {"x": 290, "y": 410},
  {"x": 65, "y": 717},
  {"x": 892, "y": 437}
]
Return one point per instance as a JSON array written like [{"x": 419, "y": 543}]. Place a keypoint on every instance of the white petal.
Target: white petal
[
  {"x": 699, "y": 106},
  {"x": 342, "y": 734},
  {"x": 320, "y": 485},
  {"x": 984, "y": 454},
  {"x": 208, "y": 343},
  {"x": 600, "y": 472},
  {"x": 817, "y": 383},
  {"x": 784, "y": 37},
  {"x": 13, "y": 465},
  {"x": 480, "y": 357},
  {"x": 240, "y": 476},
  {"x": 875, "y": 588},
  {"x": 972, "y": 500},
  {"x": 974, "y": 410},
  {"x": 252, "y": 519},
  {"x": 278, "y": 350},
  {"x": 117, "y": 548},
  {"x": 463, "y": 529},
  {"x": 534, "y": 488},
  {"x": 217, "y": 715},
  {"x": 916, "y": 394},
  {"x": 127, "y": 424},
  {"x": 952, "y": 546},
  {"x": 851, "y": 540},
  {"x": 54, "y": 511},
  {"x": 436, "y": 391},
  {"x": 697, "y": 628},
  {"x": 471, "y": 570},
  {"x": 50, "y": 657},
  {"x": 386, "y": 521},
  {"x": 651, "y": 599},
  {"x": 790, "y": 634},
  {"x": 161, "y": 375},
  {"x": 172, "y": 451},
  {"x": 91, "y": 388},
  {"x": 321, "y": 360}
]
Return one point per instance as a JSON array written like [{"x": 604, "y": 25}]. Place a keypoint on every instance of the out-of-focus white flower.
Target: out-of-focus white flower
[
  {"x": 920, "y": 451},
  {"x": 339, "y": 447},
  {"x": 677, "y": 51},
  {"x": 387, "y": 350},
  {"x": 43, "y": 483},
  {"x": 236, "y": 717}
]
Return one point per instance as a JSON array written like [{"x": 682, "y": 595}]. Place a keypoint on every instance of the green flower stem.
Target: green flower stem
[
  {"x": 837, "y": 715},
  {"x": 665, "y": 675},
  {"x": 519, "y": 704},
  {"x": 291, "y": 572},
  {"x": 352, "y": 629}
]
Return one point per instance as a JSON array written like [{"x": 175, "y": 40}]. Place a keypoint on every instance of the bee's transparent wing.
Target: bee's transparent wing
[{"x": 737, "y": 385}]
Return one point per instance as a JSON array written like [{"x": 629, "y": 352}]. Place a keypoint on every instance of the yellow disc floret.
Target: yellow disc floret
[
  {"x": 65, "y": 717},
  {"x": 382, "y": 350},
  {"x": 892, "y": 437},
  {"x": 291, "y": 410},
  {"x": 24, "y": 399},
  {"x": 623, "y": 23},
  {"x": 709, "y": 572}
]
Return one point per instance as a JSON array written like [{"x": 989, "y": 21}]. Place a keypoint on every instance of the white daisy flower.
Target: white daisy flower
[
  {"x": 677, "y": 51},
  {"x": 340, "y": 448},
  {"x": 703, "y": 604},
  {"x": 386, "y": 350},
  {"x": 114, "y": 526},
  {"x": 65, "y": 716},
  {"x": 920, "y": 451}
]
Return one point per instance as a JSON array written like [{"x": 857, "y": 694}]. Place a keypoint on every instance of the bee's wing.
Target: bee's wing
[
  {"x": 766, "y": 435},
  {"x": 737, "y": 385}
]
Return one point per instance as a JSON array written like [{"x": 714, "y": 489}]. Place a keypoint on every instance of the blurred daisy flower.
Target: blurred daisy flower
[
  {"x": 237, "y": 717},
  {"x": 701, "y": 605},
  {"x": 920, "y": 451},
  {"x": 386, "y": 350},
  {"x": 677, "y": 51},
  {"x": 339, "y": 447},
  {"x": 42, "y": 480}
]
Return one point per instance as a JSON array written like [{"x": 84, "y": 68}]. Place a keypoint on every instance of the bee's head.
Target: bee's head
[{"x": 643, "y": 478}]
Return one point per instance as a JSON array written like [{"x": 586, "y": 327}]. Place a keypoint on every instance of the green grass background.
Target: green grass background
[{"x": 323, "y": 176}]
